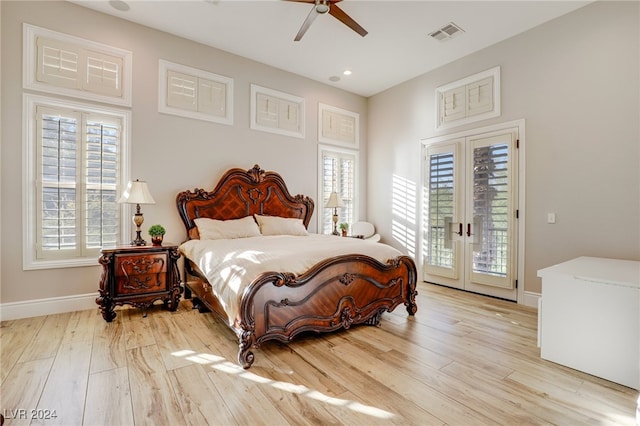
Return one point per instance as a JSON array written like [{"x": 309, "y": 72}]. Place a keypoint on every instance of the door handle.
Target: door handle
[
  {"x": 460, "y": 229},
  {"x": 469, "y": 230}
]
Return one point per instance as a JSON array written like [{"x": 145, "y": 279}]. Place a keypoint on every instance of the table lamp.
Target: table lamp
[
  {"x": 137, "y": 193},
  {"x": 333, "y": 203}
]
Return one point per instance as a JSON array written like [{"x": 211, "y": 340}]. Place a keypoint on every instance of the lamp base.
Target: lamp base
[{"x": 138, "y": 241}]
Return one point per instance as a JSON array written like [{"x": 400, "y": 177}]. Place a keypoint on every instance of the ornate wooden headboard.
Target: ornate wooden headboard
[{"x": 241, "y": 193}]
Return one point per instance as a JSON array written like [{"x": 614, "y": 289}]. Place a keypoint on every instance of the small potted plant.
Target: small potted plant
[
  {"x": 344, "y": 227},
  {"x": 156, "y": 232}
]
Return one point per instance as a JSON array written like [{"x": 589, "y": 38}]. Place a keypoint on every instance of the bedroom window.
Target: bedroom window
[
  {"x": 74, "y": 167},
  {"x": 338, "y": 174}
]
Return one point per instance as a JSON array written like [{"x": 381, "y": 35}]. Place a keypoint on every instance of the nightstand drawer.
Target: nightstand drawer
[{"x": 140, "y": 273}]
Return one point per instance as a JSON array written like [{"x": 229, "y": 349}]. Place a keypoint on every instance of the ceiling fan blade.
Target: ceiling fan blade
[
  {"x": 306, "y": 24},
  {"x": 341, "y": 16}
]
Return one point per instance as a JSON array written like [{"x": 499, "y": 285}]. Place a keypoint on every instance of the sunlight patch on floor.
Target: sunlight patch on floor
[{"x": 221, "y": 364}]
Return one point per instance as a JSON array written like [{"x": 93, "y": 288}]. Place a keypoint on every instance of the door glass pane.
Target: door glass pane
[
  {"x": 491, "y": 209},
  {"x": 441, "y": 199}
]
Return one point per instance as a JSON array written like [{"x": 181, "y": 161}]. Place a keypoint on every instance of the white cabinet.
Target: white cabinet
[{"x": 590, "y": 317}]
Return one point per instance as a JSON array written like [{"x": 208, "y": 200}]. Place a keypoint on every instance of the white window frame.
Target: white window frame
[
  {"x": 165, "y": 67},
  {"x": 30, "y": 260},
  {"x": 322, "y": 210},
  {"x": 280, "y": 99},
  {"x": 30, "y": 60},
  {"x": 462, "y": 88},
  {"x": 342, "y": 118}
]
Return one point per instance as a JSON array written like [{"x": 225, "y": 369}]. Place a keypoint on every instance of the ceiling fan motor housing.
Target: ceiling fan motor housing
[{"x": 322, "y": 6}]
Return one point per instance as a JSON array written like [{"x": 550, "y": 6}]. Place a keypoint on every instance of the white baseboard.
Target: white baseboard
[
  {"x": 53, "y": 305},
  {"x": 531, "y": 299}
]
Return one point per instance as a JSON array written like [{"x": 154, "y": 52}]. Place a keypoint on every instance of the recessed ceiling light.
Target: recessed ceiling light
[
  {"x": 119, "y": 5},
  {"x": 334, "y": 78},
  {"x": 347, "y": 72}
]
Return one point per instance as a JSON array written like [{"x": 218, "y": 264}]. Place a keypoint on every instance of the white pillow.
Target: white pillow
[
  {"x": 275, "y": 225},
  {"x": 213, "y": 229}
]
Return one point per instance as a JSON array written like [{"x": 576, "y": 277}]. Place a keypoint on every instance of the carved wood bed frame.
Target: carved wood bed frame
[{"x": 336, "y": 293}]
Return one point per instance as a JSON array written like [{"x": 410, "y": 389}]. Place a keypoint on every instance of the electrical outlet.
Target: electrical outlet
[{"x": 551, "y": 218}]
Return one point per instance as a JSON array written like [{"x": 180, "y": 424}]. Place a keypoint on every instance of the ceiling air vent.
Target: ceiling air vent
[{"x": 446, "y": 32}]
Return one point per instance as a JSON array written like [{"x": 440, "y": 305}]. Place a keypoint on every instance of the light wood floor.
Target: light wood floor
[{"x": 462, "y": 360}]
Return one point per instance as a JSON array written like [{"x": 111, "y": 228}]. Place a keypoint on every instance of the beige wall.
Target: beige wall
[
  {"x": 171, "y": 153},
  {"x": 575, "y": 81}
]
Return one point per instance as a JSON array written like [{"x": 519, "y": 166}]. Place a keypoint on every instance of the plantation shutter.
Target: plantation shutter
[
  {"x": 347, "y": 188},
  {"x": 182, "y": 91},
  {"x": 480, "y": 97},
  {"x": 441, "y": 204},
  {"x": 491, "y": 209},
  {"x": 103, "y": 73},
  {"x": 77, "y": 179},
  {"x": 58, "y": 63},
  {"x": 58, "y": 136},
  {"x": 453, "y": 105},
  {"x": 102, "y": 150},
  {"x": 288, "y": 115},
  {"x": 338, "y": 175},
  {"x": 212, "y": 97}
]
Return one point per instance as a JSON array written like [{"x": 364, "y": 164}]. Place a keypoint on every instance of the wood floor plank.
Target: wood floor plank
[
  {"x": 383, "y": 401},
  {"x": 15, "y": 336},
  {"x": 68, "y": 377},
  {"x": 109, "y": 346},
  {"x": 108, "y": 399},
  {"x": 152, "y": 394},
  {"x": 593, "y": 408},
  {"x": 290, "y": 366},
  {"x": 198, "y": 397},
  {"x": 170, "y": 340},
  {"x": 81, "y": 324},
  {"x": 441, "y": 405},
  {"x": 226, "y": 378},
  {"x": 298, "y": 403},
  {"x": 137, "y": 333},
  {"x": 382, "y": 338},
  {"x": 46, "y": 341},
  {"x": 22, "y": 389}
]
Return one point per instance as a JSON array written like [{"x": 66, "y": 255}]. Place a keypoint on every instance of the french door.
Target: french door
[{"x": 470, "y": 213}]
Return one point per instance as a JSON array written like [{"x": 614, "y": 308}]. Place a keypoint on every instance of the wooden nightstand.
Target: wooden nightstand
[{"x": 139, "y": 276}]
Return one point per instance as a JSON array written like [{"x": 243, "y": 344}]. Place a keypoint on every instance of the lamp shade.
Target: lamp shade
[
  {"x": 137, "y": 192},
  {"x": 334, "y": 201}
]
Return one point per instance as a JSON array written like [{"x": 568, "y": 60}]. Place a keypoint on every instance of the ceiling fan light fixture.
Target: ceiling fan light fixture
[{"x": 322, "y": 6}]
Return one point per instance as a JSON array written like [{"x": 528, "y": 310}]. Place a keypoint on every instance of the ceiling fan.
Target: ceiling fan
[{"x": 320, "y": 7}]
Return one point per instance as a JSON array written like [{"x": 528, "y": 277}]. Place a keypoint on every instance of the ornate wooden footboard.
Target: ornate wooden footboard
[{"x": 336, "y": 293}]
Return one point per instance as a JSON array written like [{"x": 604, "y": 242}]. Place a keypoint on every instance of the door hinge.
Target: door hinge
[
  {"x": 516, "y": 283},
  {"x": 517, "y": 214},
  {"x": 517, "y": 143}
]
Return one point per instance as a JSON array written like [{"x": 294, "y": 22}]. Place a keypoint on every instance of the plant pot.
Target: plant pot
[
  {"x": 156, "y": 241},
  {"x": 344, "y": 232}
]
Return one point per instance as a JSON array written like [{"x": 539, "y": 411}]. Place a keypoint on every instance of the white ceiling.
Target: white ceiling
[{"x": 397, "y": 48}]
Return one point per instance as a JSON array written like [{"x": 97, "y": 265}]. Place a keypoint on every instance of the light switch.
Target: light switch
[{"x": 551, "y": 218}]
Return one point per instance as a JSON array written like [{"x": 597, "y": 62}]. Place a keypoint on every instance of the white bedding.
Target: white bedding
[{"x": 230, "y": 265}]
